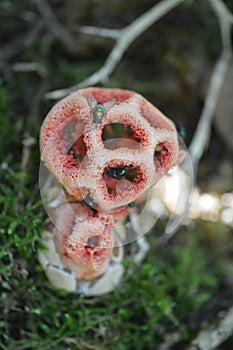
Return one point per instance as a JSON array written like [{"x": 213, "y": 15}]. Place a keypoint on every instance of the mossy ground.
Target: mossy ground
[
  {"x": 162, "y": 296},
  {"x": 158, "y": 298},
  {"x": 178, "y": 287}
]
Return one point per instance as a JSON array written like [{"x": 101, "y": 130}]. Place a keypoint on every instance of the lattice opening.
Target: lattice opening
[{"x": 117, "y": 135}]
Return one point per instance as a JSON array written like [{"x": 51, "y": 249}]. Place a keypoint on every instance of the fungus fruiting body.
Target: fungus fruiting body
[{"x": 106, "y": 147}]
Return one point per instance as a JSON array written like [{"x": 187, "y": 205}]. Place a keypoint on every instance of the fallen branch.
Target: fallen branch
[
  {"x": 170, "y": 340},
  {"x": 203, "y": 130},
  {"x": 103, "y": 32},
  {"x": 10, "y": 8},
  {"x": 53, "y": 24},
  {"x": 28, "y": 142},
  {"x": 225, "y": 18},
  {"x": 124, "y": 38},
  {"x": 212, "y": 337}
]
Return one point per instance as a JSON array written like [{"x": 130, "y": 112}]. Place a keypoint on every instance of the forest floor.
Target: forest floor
[{"x": 181, "y": 288}]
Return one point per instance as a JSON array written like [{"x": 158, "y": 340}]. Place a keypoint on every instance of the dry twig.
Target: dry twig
[
  {"x": 103, "y": 32},
  {"x": 225, "y": 18},
  {"x": 211, "y": 338},
  {"x": 53, "y": 25},
  {"x": 170, "y": 340},
  {"x": 202, "y": 133},
  {"x": 124, "y": 37},
  {"x": 28, "y": 142}
]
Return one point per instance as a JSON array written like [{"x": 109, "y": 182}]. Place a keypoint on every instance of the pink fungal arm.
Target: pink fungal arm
[{"x": 84, "y": 239}]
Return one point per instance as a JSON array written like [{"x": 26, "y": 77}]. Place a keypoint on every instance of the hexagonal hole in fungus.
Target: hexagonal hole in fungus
[
  {"x": 92, "y": 241},
  {"x": 116, "y": 135},
  {"x": 160, "y": 154},
  {"x": 77, "y": 151},
  {"x": 117, "y": 177}
]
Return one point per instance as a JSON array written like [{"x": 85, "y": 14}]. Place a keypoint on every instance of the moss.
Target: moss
[
  {"x": 158, "y": 297},
  {"x": 176, "y": 281}
]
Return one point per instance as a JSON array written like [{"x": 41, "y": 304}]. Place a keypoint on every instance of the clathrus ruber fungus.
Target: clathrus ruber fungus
[{"x": 106, "y": 147}]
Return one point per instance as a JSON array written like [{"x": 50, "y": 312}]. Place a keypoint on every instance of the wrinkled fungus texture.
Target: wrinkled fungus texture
[
  {"x": 106, "y": 147},
  {"x": 84, "y": 239}
]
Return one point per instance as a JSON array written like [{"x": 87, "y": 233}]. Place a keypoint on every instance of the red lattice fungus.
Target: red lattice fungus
[
  {"x": 106, "y": 147},
  {"x": 132, "y": 143}
]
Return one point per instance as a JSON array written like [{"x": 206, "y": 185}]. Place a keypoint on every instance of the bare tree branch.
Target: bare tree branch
[
  {"x": 202, "y": 133},
  {"x": 170, "y": 340},
  {"x": 211, "y": 338},
  {"x": 28, "y": 142},
  {"x": 123, "y": 40},
  {"x": 11, "y": 9},
  {"x": 225, "y": 18},
  {"x": 104, "y": 32},
  {"x": 53, "y": 24}
]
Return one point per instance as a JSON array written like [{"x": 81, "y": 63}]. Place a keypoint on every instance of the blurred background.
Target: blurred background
[{"x": 184, "y": 286}]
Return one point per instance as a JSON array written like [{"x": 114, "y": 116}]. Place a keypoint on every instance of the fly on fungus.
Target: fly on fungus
[{"x": 99, "y": 110}]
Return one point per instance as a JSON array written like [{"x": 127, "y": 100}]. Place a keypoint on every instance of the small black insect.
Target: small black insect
[
  {"x": 73, "y": 153},
  {"x": 99, "y": 110},
  {"x": 121, "y": 172},
  {"x": 88, "y": 201},
  {"x": 92, "y": 241},
  {"x": 116, "y": 173}
]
